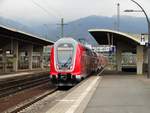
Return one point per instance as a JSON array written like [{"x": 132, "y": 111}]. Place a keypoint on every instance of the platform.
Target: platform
[
  {"x": 14, "y": 75},
  {"x": 121, "y": 94},
  {"x": 107, "y": 94}
]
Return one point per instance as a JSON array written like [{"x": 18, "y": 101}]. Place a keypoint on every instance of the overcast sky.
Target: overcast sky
[{"x": 50, "y": 10}]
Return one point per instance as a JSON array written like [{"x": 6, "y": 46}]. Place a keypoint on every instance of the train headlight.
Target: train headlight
[
  {"x": 57, "y": 66},
  {"x": 71, "y": 67}
]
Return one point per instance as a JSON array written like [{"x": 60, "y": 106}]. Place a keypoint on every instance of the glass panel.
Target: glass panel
[{"x": 64, "y": 55}]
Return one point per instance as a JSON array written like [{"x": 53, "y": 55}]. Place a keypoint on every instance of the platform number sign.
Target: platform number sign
[{"x": 142, "y": 41}]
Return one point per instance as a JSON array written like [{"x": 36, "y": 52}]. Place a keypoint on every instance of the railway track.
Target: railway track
[
  {"x": 32, "y": 96},
  {"x": 13, "y": 86},
  {"x": 41, "y": 101},
  {"x": 57, "y": 94},
  {"x": 25, "y": 105}
]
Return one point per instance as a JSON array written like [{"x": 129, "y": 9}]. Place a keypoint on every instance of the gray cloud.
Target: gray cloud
[{"x": 26, "y": 10}]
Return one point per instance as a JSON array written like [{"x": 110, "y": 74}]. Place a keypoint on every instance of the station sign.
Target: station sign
[
  {"x": 104, "y": 49},
  {"x": 144, "y": 39}
]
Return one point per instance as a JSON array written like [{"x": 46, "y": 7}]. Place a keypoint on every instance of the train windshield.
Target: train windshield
[{"x": 65, "y": 54}]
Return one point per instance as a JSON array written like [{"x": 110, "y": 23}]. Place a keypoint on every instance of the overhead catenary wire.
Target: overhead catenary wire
[
  {"x": 52, "y": 8},
  {"x": 44, "y": 9}
]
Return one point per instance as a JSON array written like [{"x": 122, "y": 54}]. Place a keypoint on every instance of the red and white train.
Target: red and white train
[{"x": 71, "y": 61}]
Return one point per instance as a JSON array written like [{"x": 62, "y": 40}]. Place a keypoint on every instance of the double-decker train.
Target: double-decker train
[{"x": 71, "y": 61}]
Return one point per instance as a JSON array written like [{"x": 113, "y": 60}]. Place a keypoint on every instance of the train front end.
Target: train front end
[{"x": 63, "y": 62}]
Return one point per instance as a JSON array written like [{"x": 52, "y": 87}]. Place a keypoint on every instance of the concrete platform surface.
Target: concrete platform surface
[
  {"x": 21, "y": 74},
  {"x": 78, "y": 98},
  {"x": 121, "y": 94}
]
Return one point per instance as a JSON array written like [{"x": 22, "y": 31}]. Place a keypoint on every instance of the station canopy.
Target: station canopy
[
  {"x": 10, "y": 33},
  {"x": 106, "y": 37}
]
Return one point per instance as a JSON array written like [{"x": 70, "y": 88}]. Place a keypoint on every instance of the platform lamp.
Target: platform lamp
[{"x": 148, "y": 23}]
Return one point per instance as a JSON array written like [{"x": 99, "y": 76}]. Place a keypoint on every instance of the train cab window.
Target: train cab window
[{"x": 64, "y": 53}]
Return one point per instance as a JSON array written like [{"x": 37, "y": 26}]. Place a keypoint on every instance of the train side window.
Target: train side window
[{"x": 88, "y": 52}]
